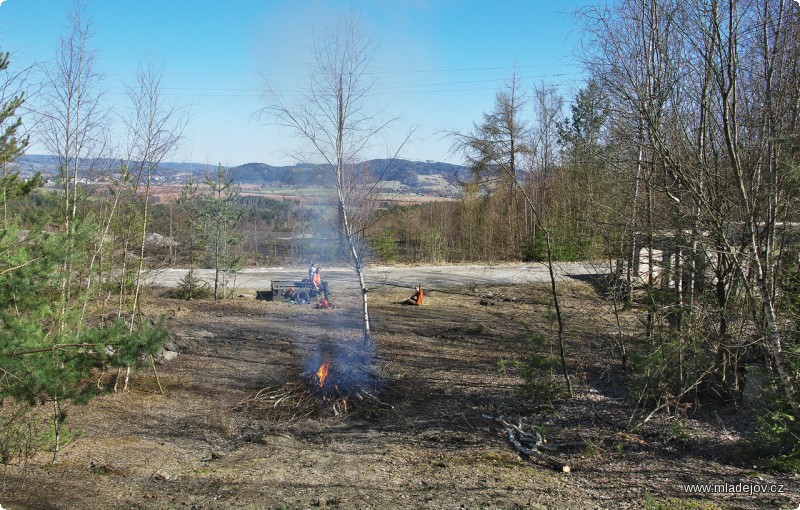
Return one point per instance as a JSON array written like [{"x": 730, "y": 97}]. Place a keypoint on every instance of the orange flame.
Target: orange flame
[{"x": 322, "y": 373}]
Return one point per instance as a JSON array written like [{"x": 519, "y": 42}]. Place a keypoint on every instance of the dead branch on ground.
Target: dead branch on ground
[{"x": 530, "y": 444}]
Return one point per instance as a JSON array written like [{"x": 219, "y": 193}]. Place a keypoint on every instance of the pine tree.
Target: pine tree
[
  {"x": 48, "y": 356},
  {"x": 12, "y": 146},
  {"x": 221, "y": 216}
]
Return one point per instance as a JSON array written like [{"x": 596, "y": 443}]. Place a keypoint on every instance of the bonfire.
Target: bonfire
[{"x": 336, "y": 381}]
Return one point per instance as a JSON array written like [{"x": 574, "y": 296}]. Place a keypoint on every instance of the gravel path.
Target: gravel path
[{"x": 430, "y": 277}]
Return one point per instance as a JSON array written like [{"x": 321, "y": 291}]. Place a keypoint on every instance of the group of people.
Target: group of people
[{"x": 315, "y": 280}]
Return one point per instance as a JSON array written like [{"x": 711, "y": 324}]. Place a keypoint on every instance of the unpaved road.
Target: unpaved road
[{"x": 431, "y": 277}]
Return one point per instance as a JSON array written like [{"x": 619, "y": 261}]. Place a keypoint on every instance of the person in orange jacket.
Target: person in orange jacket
[
  {"x": 416, "y": 299},
  {"x": 316, "y": 280}
]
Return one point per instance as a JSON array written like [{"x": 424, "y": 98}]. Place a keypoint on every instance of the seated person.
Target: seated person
[{"x": 416, "y": 299}]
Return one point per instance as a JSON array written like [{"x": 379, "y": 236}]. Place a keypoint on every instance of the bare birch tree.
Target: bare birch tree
[
  {"x": 335, "y": 115},
  {"x": 154, "y": 130},
  {"x": 71, "y": 121}
]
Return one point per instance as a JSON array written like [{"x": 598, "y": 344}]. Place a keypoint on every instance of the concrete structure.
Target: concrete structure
[{"x": 670, "y": 250}]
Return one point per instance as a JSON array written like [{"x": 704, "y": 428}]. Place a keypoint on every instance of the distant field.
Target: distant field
[{"x": 171, "y": 192}]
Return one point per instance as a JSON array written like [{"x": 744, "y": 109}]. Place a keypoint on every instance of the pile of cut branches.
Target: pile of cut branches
[{"x": 291, "y": 401}]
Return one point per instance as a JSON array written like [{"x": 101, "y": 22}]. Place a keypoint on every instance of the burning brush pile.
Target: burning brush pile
[
  {"x": 341, "y": 386},
  {"x": 336, "y": 380}
]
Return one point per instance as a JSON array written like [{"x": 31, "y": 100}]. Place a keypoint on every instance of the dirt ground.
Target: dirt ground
[{"x": 214, "y": 442}]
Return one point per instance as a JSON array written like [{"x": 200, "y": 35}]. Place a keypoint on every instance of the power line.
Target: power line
[
  {"x": 400, "y": 71},
  {"x": 414, "y": 88},
  {"x": 466, "y": 69}
]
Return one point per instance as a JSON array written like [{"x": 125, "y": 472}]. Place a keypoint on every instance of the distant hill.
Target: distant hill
[
  {"x": 413, "y": 176},
  {"x": 48, "y": 166},
  {"x": 261, "y": 173},
  {"x": 405, "y": 171}
]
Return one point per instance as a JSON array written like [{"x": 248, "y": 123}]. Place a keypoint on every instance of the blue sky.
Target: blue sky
[{"x": 438, "y": 67}]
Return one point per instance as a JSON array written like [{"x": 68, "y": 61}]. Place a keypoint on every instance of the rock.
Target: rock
[
  {"x": 169, "y": 346},
  {"x": 161, "y": 475},
  {"x": 169, "y": 355},
  {"x": 565, "y": 469},
  {"x": 102, "y": 468}
]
